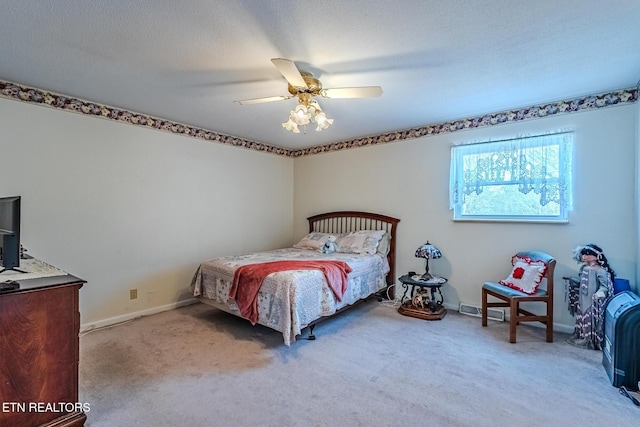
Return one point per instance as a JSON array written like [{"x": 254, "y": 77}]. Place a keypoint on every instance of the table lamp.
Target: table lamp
[{"x": 428, "y": 251}]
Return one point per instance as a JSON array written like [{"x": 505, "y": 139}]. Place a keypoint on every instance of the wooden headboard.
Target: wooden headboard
[{"x": 347, "y": 221}]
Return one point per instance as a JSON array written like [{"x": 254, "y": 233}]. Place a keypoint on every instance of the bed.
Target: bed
[{"x": 301, "y": 285}]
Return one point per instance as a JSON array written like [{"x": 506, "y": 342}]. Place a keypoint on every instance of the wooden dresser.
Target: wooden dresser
[{"x": 39, "y": 349}]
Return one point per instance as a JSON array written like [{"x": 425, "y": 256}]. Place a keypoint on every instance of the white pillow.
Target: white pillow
[
  {"x": 360, "y": 242},
  {"x": 314, "y": 241},
  {"x": 384, "y": 245}
]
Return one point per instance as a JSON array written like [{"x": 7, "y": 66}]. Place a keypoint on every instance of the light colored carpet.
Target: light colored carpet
[{"x": 370, "y": 366}]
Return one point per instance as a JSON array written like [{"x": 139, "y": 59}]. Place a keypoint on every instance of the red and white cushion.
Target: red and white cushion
[{"x": 526, "y": 275}]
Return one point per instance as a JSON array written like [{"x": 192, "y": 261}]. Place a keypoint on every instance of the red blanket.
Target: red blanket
[{"x": 248, "y": 279}]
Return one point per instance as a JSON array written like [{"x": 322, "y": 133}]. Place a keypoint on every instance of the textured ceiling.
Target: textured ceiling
[{"x": 436, "y": 61}]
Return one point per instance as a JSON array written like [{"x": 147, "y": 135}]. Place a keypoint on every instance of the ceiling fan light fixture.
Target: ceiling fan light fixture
[
  {"x": 301, "y": 115},
  {"x": 307, "y": 112},
  {"x": 291, "y": 125},
  {"x": 322, "y": 121},
  {"x": 303, "y": 85}
]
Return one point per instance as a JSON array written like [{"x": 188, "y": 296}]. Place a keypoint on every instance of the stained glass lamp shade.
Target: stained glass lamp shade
[{"x": 428, "y": 251}]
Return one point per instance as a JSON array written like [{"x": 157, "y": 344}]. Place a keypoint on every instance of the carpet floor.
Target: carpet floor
[{"x": 370, "y": 366}]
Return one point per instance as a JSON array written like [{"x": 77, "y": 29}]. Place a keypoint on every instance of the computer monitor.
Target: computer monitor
[{"x": 10, "y": 233}]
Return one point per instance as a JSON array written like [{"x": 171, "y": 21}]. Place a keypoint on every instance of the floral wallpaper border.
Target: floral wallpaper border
[
  {"x": 590, "y": 102},
  {"x": 13, "y": 91}
]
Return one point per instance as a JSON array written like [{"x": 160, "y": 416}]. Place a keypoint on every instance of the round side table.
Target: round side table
[{"x": 432, "y": 308}]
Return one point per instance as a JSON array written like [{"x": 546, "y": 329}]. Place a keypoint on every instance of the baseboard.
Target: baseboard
[
  {"x": 450, "y": 306},
  {"x": 87, "y": 327},
  {"x": 476, "y": 311},
  {"x": 563, "y": 328}
]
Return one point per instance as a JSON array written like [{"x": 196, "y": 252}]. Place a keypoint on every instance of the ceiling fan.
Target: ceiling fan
[{"x": 303, "y": 85}]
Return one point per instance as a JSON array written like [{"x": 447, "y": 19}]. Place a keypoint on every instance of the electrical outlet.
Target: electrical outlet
[{"x": 133, "y": 293}]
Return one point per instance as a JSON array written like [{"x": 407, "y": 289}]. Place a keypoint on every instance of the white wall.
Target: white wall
[
  {"x": 637, "y": 213},
  {"x": 125, "y": 207},
  {"x": 409, "y": 180}
]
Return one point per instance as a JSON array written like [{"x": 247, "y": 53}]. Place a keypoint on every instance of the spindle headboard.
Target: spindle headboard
[{"x": 346, "y": 221}]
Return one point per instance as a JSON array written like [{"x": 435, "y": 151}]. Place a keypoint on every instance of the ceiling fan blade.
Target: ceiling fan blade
[
  {"x": 352, "y": 92},
  {"x": 290, "y": 72},
  {"x": 261, "y": 100}
]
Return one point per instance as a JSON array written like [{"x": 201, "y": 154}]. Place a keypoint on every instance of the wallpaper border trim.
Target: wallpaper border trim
[{"x": 37, "y": 96}]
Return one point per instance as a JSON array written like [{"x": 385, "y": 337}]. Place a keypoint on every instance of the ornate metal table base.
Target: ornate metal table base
[{"x": 420, "y": 304}]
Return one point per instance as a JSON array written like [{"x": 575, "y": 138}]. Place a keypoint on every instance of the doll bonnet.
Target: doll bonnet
[{"x": 589, "y": 249}]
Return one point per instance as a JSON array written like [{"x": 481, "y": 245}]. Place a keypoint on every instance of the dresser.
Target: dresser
[{"x": 39, "y": 349}]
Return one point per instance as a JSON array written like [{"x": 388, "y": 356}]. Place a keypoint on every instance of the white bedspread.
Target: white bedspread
[{"x": 289, "y": 301}]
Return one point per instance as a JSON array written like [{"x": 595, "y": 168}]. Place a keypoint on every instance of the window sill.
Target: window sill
[{"x": 530, "y": 221}]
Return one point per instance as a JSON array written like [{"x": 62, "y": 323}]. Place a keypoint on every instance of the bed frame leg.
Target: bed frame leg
[{"x": 311, "y": 336}]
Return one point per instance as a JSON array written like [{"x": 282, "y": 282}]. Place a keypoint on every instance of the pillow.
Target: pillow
[
  {"x": 383, "y": 245},
  {"x": 313, "y": 241},
  {"x": 360, "y": 242},
  {"x": 526, "y": 275}
]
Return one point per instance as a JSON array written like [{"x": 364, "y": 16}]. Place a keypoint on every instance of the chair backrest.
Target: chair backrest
[{"x": 549, "y": 261}]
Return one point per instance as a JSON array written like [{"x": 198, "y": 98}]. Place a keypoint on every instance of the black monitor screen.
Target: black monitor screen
[{"x": 10, "y": 231}]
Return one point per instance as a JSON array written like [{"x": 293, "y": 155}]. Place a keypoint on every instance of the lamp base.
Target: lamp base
[{"x": 426, "y": 277}]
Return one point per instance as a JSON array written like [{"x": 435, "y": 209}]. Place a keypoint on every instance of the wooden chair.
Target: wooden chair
[{"x": 512, "y": 298}]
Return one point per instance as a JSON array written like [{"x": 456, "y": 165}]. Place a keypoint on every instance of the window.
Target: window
[{"x": 523, "y": 179}]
